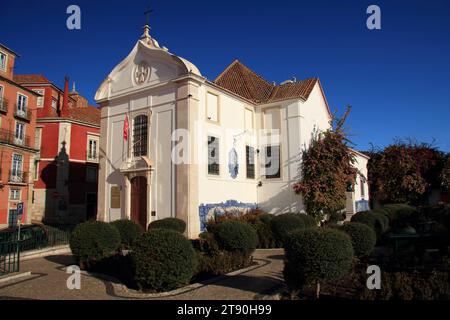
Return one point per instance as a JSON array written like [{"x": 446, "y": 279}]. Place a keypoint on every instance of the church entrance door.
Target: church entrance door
[{"x": 139, "y": 201}]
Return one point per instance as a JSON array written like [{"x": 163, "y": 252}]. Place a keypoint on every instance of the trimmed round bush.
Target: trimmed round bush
[
  {"x": 93, "y": 241},
  {"x": 174, "y": 224},
  {"x": 163, "y": 260},
  {"x": 282, "y": 225},
  {"x": 401, "y": 215},
  {"x": 336, "y": 217},
  {"x": 129, "y": 231},
  {"x": 208, "y": 243},
  {"x": 383, "y": 218},
  {"x": 266, "y": 218},
  {"x": 308, "y": 220},
  {"x": 441, "y": 214},
  {"x": 373, "y": 220},
  {"x": 233, "y": 235},
  {"x": 363, "y": 238},
  {"x": 263, "y": 229},
  {"x": 266, "y": 239},
  {"x": 316, "y": 254}
]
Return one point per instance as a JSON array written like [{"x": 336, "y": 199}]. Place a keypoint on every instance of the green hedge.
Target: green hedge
[
  {"x": 214, "y": 261},
  {"x": 129, "y": 231},
  {"x": 315, "y": 255},
  {"x": 308, "y": 220},
  {"x": 174, "y": 224},
  {"x": 163, "y": 260},
  {"x": 266, "y": 238},
  {"x": 92, "y": 241},
  {"x": 373, "y": 220},
  {"x": 233, "y": 235},
  {"x": 363, "y": 238},
  {"x": 401, "y": 215},
  {"x": 382, "y": 218},
  {"x": 441, "y": 214},
  {"x": 283, "y": 224},
  {"x": 409, "y": 286}
]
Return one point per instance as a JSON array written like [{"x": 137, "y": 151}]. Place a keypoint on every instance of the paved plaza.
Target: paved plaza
[{"x": 48, "y": 281}]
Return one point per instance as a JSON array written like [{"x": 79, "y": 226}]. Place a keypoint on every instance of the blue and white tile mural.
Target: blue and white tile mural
[
  {"x": 211, "y": 210},
  {"x": 362, "y": 205},
  {"x": 233, "y": 164}
]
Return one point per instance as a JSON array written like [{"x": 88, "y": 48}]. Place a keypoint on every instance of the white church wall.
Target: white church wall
[
  {"x": 314, "y": 116},
  {"x": 163, "y": 176},
  {"x": 276, "y": 194},
  {"x": 161, "y": 125},
  {"x": 224, "y": 190},
  {"x": 115, "y": 156},
  {"x": 361, "y": 188}
]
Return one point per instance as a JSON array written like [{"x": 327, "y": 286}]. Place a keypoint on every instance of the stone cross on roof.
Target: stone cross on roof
[{"x": 147, "y": 15}]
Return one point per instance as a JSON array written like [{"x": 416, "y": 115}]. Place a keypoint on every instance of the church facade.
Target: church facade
[{"x": 175, "y": 144}]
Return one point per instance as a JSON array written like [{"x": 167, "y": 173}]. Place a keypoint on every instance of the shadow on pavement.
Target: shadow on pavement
[
  {"x": 62, "y": 259},
  {"x": 258, "y": 285},
  {"x": 276, "y": 257}
]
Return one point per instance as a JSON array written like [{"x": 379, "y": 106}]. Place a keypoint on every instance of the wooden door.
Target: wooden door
[{"x": 139, "y": 201}]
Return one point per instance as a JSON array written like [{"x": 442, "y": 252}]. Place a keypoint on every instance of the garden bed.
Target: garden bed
[
  {"x": 120, "y": 268},
  {"x": 129, "y": 290}
]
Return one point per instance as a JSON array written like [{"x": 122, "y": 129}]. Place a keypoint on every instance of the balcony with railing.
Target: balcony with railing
[
  {"x": 3, "y": 105},
  {"x": 18, "y": 176},
  {"x": 9, "y": 137},
  {"x": 22, "y": 113}
]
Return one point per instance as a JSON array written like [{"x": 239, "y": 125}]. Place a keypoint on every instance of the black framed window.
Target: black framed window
[
  {"x": 250, "y": 161},
  {"x": 213, "y": 156},
  {"x": 272, "y": 163},
  {"x": 361, "y": 182},
  {"x": 140, "y": 129}
]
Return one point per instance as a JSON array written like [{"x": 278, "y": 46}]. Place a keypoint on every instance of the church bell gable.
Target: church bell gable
[{"x": 146, "y": 65}]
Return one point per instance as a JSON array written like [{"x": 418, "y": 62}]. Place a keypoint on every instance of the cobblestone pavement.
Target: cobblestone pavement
[{"x": 48, "y": 281}]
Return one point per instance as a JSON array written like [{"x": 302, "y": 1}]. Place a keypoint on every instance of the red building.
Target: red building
[
  {"x": 17, "y": 144},
  {"x": 66, "y": 169}
]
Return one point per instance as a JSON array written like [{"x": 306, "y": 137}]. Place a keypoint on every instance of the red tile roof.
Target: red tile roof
[
  {"x": 88, "y": 114},
  {"x": 30, "y": 78},
  {"x": 292, "y": 90},
  {"x": 244, "y": 82}
]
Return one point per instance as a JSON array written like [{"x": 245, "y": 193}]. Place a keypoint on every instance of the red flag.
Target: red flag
[{"x": 125, "y": 128}]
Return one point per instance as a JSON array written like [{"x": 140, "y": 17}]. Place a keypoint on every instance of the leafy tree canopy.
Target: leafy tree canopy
[
  {"x": 327, "y": 171},
  {"x": 405, "y": 172}
]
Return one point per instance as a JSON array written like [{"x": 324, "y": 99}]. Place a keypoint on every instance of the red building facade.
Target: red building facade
[
  {"x": 17, "y": 142},
  {"x": 66, "y": 169}
]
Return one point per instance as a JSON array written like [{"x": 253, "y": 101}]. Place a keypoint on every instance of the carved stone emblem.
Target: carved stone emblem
[{"x": 141, "y": 73}]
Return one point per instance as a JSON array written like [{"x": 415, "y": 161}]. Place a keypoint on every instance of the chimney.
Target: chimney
[{"x": 65, "y": 105}]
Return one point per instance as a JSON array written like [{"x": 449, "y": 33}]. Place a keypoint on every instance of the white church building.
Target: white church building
[{"x": 175, "y": 144}]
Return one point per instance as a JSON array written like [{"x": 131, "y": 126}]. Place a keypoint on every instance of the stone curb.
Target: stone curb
[
  {"x": 40, "y": 253},
  {"x": 15, "y": 276},
  {"x": 123, "y": 291}
]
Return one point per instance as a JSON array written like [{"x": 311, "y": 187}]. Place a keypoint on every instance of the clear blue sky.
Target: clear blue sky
[{"x": 397, "y": 79}]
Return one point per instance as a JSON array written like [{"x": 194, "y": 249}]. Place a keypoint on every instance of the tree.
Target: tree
[
  {"x": 405, "y": 172},
  {"x": 316, "y": 255},
  {"x": 445, "y": 173},
  {"x": 326, "y": 171}
]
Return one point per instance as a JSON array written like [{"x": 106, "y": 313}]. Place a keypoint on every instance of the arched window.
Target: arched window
[{"x": 140, "y": 129}]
